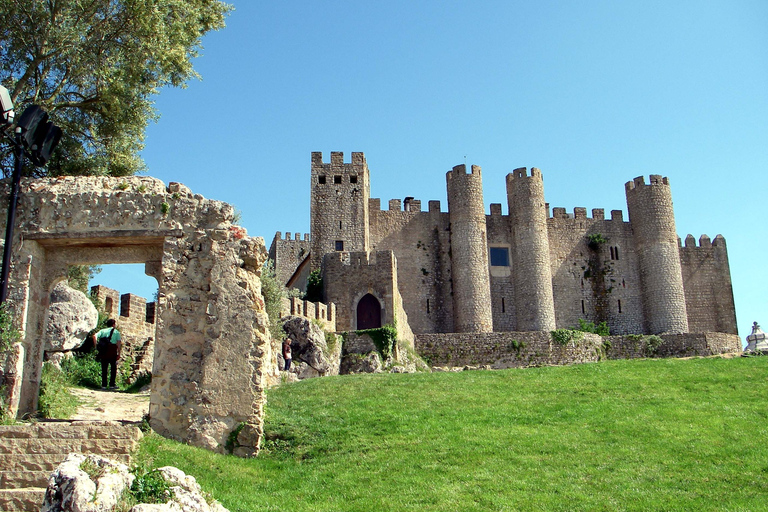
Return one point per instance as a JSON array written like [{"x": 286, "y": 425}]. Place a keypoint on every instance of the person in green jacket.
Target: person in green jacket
[{"x": 109, "y": 346}]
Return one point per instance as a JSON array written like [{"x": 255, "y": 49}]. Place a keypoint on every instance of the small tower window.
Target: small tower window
[
  {"x": 353, "y": 178},
  {"x": 337, "y": 179},
  {"x": 499, "y": 257},
  {"x": 619, "y": 305},
  {"x": 503, "y": 306},
  {"x": 339, "y": 245},
  {"x": 321, "y": 179},
  {"x": 582, "y": 307}
]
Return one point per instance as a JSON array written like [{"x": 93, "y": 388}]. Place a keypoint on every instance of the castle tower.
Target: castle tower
[
  {"x": 653, "y": 230},
  {"x": 534, "y": 301},
  {"x": 339, "y": 205},
  {"x": 469, "y": 251}
]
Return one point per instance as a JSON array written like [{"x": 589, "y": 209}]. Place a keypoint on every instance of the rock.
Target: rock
[
  {"x": 309, "y": 346},
  {"x": 71, "y": 316},
  {"x": 358, "y": 363},
  {"x": 55, "y": 358},
  {"x": 71, "y": 489}
]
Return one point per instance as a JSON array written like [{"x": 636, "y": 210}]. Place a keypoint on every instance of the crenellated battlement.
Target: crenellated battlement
[
  {"x": 704, "y": 242},
  {"x": 459, "y": 172},
  {"x": 581, "y": 213},
  {"x": 323, "y": 313},
  {"x": 655, "y": 179},
  {"x": 337, "y": 159},
  {"x": 522, "y": 172},
  {"x": 297, "y": 236}
]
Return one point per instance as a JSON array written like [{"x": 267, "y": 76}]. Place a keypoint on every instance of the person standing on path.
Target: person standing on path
[
  {"x": 287, "y": 354},
  {"x": 109, "y": 345}
]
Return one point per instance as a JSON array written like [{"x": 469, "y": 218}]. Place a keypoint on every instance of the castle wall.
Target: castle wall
[
  {"x": 708, "y": 289},
  {"x": 597, "y": 282},
  {"x": 421, "y": 243},
  {"x": 287, "y": 254},
  {"x": 502, "y": 282},
  {"x": 348, "y": 276}
]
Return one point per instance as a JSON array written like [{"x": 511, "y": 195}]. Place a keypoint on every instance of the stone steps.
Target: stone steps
[{"x": 30, "y": 452}]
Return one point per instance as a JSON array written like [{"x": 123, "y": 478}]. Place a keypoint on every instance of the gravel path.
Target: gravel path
[{"x": 111, "y": 405}]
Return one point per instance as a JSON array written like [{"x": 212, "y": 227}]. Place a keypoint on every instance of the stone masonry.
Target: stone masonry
[
  {"x": 212, "y": 352},
  {"x": 530, "y": 270}
]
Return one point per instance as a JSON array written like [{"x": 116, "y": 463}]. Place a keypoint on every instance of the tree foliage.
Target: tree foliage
[{"x": 94, "y": 66}]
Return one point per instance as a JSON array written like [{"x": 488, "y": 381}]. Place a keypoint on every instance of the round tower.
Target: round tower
[
  {"x": 534, "y": 301},
  {"x": 469, "y": 251},
  {"x": 658, "y": 252}
]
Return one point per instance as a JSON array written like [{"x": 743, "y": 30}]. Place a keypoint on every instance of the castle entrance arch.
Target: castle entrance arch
[
  {"x": 368, "y": 312},
  {"x": 212, "y": 351}
]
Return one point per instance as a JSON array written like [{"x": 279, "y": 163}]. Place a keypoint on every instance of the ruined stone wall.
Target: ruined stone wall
[
  {"x": 421, "y": 243},
  {"x": 708, "y": 289},
  {"x": 287, "y": 254},
  {"x": 212, "y": 350},
  {"x": 505, "y": 349}
]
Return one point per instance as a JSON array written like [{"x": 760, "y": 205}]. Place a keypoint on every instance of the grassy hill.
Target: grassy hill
[{"x": 656, "y": 434}]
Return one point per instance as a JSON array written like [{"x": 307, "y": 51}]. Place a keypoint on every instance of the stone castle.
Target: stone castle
[{"x": 464, "y": 271}]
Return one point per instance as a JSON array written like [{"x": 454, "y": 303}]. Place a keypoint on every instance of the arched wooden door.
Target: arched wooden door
[{"x": 368, "y": 312}]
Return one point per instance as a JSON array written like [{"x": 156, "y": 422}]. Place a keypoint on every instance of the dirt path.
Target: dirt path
[{"x": 111, "y": 405}]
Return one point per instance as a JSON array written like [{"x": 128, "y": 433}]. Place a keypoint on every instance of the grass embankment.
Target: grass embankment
[{"x": 617, "y": 435}]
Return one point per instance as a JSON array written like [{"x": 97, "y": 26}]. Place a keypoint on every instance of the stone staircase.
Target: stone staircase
[{"x": 30, "y": 452}]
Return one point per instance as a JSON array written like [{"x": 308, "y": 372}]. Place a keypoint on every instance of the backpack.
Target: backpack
[{"x": 104, "y": 342}]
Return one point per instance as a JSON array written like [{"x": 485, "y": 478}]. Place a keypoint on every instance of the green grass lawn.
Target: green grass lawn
[{"x": 658, "y": 434}]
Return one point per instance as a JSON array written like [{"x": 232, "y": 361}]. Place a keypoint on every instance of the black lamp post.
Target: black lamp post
[{"x": 40, "y": 136}]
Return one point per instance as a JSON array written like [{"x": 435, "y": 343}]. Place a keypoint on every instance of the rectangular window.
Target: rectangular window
[
  {"x": 321, "y": 179},
  {"x": 337, "y": 179},
  {"x": 353, "y": 178},
  {"x": 339, "y": 245},
  {"x": 499, "y": 257}
]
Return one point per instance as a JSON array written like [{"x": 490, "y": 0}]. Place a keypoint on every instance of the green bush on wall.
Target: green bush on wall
[{"x": 385, "y": 339}]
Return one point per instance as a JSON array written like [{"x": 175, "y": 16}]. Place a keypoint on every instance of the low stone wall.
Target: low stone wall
[
  {"x": 506, "y": 349},
  {"x": 673, "y": 345},
  {"x": 521, "y": 349}
]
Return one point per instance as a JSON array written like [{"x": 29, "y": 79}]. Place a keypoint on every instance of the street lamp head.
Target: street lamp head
[
  {"x": 6, "y": 108},
  {"x": 38, "y": 134}
]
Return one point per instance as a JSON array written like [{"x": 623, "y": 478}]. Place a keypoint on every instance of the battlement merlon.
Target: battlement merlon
[
  {"x": 655, "y": 179},
  {"x": 460, "y": 172},
  {"x": 356, "y": 165},
  {"x": 522, "y": 172},
  {"x": 704, "y": 242}
]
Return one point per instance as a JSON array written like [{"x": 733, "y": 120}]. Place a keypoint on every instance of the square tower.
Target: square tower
[{"x": 339, "y": 206}]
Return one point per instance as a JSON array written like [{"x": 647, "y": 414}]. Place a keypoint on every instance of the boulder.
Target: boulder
[
  {"x": 309, "y": 346},
  {"x": 71, "y": 489},
  {"x": 361, "y": 363},
  {"x": 71, "y": 316}
]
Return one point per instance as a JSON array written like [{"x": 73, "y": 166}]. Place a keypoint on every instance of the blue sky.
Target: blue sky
[{"x": 593, "y": 93}]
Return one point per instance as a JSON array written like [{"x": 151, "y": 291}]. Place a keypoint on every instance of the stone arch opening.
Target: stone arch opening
[
  {"x": 211, "y": 325},
  {"x": 368, "y": 312}
]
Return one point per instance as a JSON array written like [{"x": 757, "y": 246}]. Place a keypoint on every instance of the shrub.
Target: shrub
[
  {"x": 602, "y": 328},
  {"x": 314, "y": 286},
  {"x": 273, "y": 292},
  {"x": 565, "y": 336},
  {"x": 150, "y": 487},
  {"x": 385, "y": 339}
]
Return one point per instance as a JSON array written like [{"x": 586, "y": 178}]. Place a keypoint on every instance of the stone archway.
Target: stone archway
[
  {"x": 368, "y": 312},
  {"x": 212, "y": 340}
]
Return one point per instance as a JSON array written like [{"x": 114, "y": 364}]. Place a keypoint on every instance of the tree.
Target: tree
[{"x": 94, "y": 66}]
